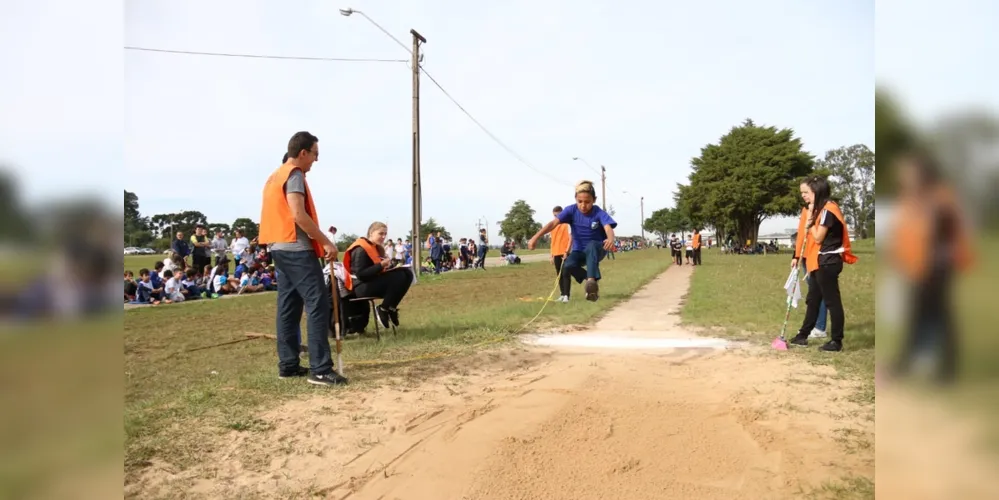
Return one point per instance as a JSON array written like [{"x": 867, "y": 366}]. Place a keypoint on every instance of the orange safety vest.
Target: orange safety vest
[
  {"x": 812, "y": 247},
  {"x": 369, "y": 248},
  {"x": 697, "y": 241},
  {"x": 912, "y": 238},
  {"x": 277, "y": 224},
  {"x": 561, "y": 240}
]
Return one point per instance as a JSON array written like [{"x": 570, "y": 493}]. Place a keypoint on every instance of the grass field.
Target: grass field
[
  {"x": 175, "y": 399},
  {"x": 742, "y": 295}
]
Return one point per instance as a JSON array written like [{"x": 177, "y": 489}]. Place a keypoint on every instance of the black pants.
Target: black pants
[
  {"x": 931, "y": 325},
  {"x": 200, "y": 261},
  {"x": 697, "y": 256},
  {"x": 678, "y": 257},
  {"x": 824, "y": 285},
  {"x": 564, "y": 280},
  {"x": 391, "y": 287}
]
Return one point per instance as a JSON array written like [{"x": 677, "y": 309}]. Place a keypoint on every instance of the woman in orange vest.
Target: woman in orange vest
[
  {"x": 822, "y": 229},
  {"x": 371, "y": 274},
  {"x": 561, "y": 243},
  {"x": 931, "y": 242},
  {"x": 289, "y": 227}
]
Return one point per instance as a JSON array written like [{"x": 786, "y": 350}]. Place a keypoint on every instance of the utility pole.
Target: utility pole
[
  {"x": 603, "y": 185},
  {"x": 643, "y": 221},
  {"x": 417, "y": 188}
]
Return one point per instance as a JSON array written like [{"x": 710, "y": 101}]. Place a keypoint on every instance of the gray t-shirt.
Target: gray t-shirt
[{"x": 295, "y": 184}]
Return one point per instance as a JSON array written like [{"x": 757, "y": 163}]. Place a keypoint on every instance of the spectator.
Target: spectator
[
  {"x": 180, "y": 246},
  {"x": 201, "y": 253},
  {"x": 240, "y": 246},
  {"x": 172, "y": 290},
  {"x": 561, "y": 244},
  {"x": 219, "y": 248}
]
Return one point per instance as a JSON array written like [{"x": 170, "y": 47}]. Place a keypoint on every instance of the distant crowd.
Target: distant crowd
[{"x": 174, "y": 279}]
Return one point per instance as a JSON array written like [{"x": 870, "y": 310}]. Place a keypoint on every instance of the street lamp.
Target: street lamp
[
  {"x": 642, "y": 225},
  {"x": 417, "y": 58}
]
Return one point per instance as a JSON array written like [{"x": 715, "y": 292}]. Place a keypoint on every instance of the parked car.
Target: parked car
[
  {"x": 147, "y": 251},
  {"x": 132, "y": 251}
]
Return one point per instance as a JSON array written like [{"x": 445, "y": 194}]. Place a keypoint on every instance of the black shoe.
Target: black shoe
[
  {"x": 298, "y": 371},
  {"x": 799, "y": 340},
  {"x": 331, "y": 378},
  {"x": 832, "y": 346},
  {"x": 592, "y": 290},
  {"x": 383, "y": 316},
  {"x": 394, "y": 316}
]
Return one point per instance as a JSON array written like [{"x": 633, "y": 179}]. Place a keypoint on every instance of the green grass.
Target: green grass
[
  {"x": 743, "y": 296},
  {"x": 175, "y": 401}
]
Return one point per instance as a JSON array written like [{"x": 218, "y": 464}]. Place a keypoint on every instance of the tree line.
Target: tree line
[{"x": 753, "y": 173}]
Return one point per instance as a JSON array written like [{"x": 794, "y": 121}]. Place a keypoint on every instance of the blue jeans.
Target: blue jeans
[
  {"x": 301, "y": 286},
  {"x": 820, "y": 324},
  {"x": 588, "y": 257}
]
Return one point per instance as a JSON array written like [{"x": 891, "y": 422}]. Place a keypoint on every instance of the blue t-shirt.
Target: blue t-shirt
[{"x": 586, "y": 227}]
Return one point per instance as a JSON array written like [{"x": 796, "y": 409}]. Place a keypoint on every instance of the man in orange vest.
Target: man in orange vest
[
  {"x": 696, "y": 244},
  {"x": 289, "y": 226}
]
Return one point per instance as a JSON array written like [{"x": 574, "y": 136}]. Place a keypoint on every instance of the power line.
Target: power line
[
  {"x": 490, "y": 134},
  {"x": 259, "y": 56}
]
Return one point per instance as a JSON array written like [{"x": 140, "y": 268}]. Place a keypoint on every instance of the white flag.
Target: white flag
[{"x": 793, "y": 288}]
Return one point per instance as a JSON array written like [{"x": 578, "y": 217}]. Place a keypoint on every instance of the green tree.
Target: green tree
[
  {"x": 430, "y": 226},
  {"x": 666, "y": 221},
  {"x": 344, "y": 240},
  {"x": 13, "y": 224},
  {"x": 851, "y": 168},
  {"x": 519, "y": 225},
  {"x": 658, "y": 224},
  {"x": 250, "y": 229},
  {"x": 894, "y": 134},
  {"x": 751, "y": 174}
]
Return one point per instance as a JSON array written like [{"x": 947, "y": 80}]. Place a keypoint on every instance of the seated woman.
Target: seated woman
[{"x": 371, "y": 274}]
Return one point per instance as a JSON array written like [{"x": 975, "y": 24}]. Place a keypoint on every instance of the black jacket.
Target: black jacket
[{"x": 362, "y": 266}]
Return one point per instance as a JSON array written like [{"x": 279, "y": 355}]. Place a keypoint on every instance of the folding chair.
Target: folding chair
[{"x": 374, "y": 314}]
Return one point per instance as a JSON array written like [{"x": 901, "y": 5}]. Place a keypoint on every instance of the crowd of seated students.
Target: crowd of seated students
[{"x": 173, "y": 280}]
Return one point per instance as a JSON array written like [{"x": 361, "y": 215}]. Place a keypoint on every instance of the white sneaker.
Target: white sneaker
[
  {"x": 563, "y": 298},
  {"x": 817, "y": 334}
]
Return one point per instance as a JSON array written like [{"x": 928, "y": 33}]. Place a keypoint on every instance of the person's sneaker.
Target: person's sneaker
[
  {"x": 564, "y": 299},
  {"x": 799, "y": 340},
  {"x": 383, "y": 316},
  {"x": 817, "y": 334},
  {"x": 331, "y": 378},
  {"x": 831, "y": 346},
  {"x": 592, "y": 290},
  {"x": 394, "y": 316},
  {"x": 298, "y": 371}
]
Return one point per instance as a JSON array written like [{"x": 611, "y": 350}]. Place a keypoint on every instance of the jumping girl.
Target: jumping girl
[
  {"x": 592, "y": 238},
  {"x": 823, "y": 232}
]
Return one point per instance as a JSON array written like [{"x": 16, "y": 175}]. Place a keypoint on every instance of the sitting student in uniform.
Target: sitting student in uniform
[
  {"x": 131, "y": 288},
  {"x": 172, "y": 289},
  {"x": 250, "y": 283},
  {"x": 146, "y": 292},
  {"x": 267, "y": 279},
  {"x": 190, "y": 284}
]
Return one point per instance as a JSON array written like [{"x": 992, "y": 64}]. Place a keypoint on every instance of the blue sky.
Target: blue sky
[{"x": 639, "y": 87}]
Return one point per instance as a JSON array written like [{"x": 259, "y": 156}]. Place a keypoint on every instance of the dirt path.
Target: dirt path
[{"x": 569, "y": 423}]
